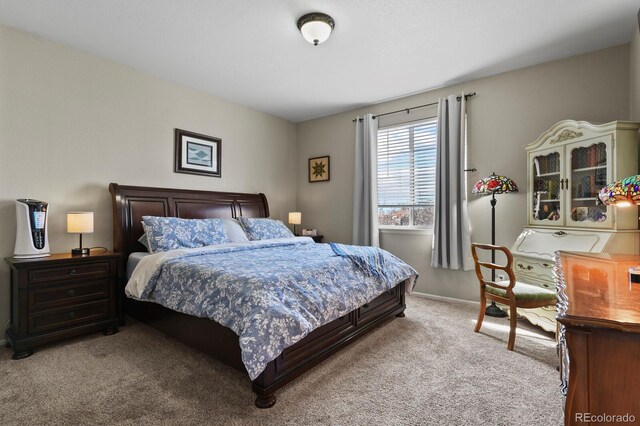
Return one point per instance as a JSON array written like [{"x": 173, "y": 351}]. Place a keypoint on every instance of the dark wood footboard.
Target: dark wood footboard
[{"x": 221, "y": 342}]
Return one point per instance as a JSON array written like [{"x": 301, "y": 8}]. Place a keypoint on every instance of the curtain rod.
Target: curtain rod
[{"x": 415, "y": 107}]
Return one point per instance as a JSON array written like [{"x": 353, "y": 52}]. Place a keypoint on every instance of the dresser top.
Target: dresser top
[{"x": 594, "y": 290}]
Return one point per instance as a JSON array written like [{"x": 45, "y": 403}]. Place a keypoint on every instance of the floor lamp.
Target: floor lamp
[{"x": 492, "y": 185}]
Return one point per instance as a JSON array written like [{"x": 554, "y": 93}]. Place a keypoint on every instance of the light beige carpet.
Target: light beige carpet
[{"x": 427, "y": 368}]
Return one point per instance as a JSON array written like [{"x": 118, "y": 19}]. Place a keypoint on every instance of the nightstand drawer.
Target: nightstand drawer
[
  {"x": 62, "y": 295},
  {"x": 87, "y": 270},
  {"x": 67, "y": 317}
]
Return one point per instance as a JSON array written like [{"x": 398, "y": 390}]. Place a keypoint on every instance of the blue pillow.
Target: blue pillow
[
  {"x": 170, "y": 233},
  {"x": 264, "y": 229}
]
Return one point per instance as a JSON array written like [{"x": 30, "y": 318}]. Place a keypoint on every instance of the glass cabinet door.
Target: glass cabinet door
[
  {"x": 588, "y": 174},
  {"x": 546, "y": 191}
]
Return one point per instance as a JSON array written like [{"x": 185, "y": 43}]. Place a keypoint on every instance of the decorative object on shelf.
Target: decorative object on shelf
[
  {"x": 621, "y": 193},
  {"x": 32, "y": 239},
  {"x": 319, "y": 169},
  {"x": 316, "y": 27},
  {"x": 310, "y": 232},
  {"x": 197, "y": 154},
  {"x": 492, "y": 185},
  {"x": 80, "y": 223},
  {"x": 295, "y": 218}
]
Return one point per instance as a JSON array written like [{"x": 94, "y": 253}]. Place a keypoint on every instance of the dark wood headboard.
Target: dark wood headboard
[{"x": 130, "y": 203}]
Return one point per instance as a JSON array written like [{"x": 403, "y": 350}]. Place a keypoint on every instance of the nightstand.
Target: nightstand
[
  {"x": 61, "y": 296},
  {"x": 318, "y": 238}
]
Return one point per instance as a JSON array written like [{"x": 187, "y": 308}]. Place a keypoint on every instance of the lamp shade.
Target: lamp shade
[
  {"x": 80, "y": 222},
  {"x": 295, "y": 218},
  {"x": 623, "y": 192},
  {"x": 494, "y": 184},
  {"x": 316, "y": 27}
]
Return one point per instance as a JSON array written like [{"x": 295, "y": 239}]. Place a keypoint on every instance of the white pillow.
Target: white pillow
[{"x": 234, "y": 231}]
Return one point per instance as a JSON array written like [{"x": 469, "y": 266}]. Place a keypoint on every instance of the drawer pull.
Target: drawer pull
[
  {"x": 528, "y": 268},
  {"x": 366, "y": 305},
  {"x": 71, "y": 292},
  {"x": 72, "y": 315},
  {"x": 72, "y": 272},
  {"x": 389, "y": 291},
  {"x": 546, "y": 265}
]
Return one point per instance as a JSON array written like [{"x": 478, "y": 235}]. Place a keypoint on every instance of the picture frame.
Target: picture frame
[
  {"x": 197, "y": 154},
  {"x": 319, "y": 169}
]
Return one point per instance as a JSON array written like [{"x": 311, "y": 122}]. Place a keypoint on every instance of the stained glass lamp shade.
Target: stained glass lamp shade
[
  {"x": 492, "y": 185},
  {"x": 624, "y": 192}
]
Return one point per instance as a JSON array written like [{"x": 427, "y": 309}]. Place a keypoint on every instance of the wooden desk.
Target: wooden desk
[{"x": 599, "y": 339}]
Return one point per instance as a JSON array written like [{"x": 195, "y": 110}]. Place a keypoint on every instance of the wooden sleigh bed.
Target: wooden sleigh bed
[{"x": 130, "y": 203}]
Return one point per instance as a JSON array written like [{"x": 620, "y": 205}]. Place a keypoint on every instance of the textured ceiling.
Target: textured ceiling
[{"x": 251, "y": 52}]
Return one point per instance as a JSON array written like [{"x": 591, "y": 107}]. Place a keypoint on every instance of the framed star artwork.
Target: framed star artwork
[{"x": 319, "y": 169}]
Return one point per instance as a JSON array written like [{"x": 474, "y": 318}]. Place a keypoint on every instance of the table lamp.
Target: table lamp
[
  {"x": 80, "y": 223},
  {"x": 492, "y": 185},
  {"x": 295, "y": 218},
  {"x": 622, "y": 193}
]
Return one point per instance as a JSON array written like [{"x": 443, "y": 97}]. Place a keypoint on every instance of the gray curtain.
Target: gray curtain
[
  {"x": 365, "y": 188},
  {"x": 451, "y": 235}
]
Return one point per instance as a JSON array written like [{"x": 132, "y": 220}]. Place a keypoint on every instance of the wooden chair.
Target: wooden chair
[{"x": 511, "y": 293}]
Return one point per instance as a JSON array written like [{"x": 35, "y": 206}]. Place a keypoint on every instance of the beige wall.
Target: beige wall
[
  {"x": 634, "y": 72},
  {"x": 509, "y": 111},
  {"x": 71, "y": 123}
]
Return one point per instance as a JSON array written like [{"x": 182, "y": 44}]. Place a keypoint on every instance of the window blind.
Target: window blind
[{"x": 407, "y": 165}]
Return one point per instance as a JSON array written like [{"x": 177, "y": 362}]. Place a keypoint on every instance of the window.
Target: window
[{"x": 406, "y": 174}]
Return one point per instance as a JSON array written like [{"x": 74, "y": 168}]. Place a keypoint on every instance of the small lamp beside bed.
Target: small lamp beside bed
[
  {"x": 295, "y": 218},
  {"x": 80, "y": 223}
]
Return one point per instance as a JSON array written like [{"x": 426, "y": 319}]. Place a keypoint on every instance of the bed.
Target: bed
[{"x": 130, "y": 203}]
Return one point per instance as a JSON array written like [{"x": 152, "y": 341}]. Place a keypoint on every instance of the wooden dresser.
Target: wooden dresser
[
  {"x": 599, "y": 339},
  {"x": 61, "y": 296}
]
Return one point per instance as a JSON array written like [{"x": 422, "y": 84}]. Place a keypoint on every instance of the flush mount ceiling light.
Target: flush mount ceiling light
[{"x": 316, "y": 27}]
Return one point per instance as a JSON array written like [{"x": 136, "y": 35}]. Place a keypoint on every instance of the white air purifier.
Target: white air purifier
[{"x": 32, "y": 239}]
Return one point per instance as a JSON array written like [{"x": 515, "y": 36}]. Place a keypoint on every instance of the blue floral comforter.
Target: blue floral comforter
[{"x": 271, "y": 293}]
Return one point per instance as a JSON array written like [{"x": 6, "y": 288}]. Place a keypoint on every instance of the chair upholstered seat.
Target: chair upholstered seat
[{"x": 523, "y": 291}]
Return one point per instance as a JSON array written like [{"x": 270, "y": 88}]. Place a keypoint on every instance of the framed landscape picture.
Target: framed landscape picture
[
  {"x": 319, "y": 169},
  {"x": 197, "y": 154}
]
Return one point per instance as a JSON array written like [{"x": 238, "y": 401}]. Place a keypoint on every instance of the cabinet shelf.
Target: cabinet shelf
[
  {"x": 585, "y": 198},
  {"x": 589, "y": 169},
  {"x": 548, "y": 174},
  {"x": 551, "y": 200}
]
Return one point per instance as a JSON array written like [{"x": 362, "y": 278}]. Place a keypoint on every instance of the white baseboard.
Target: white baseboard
[{"x": 445, "y": 299}]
